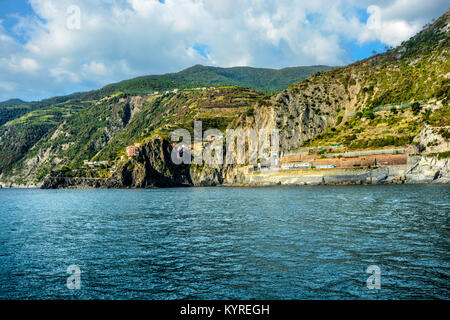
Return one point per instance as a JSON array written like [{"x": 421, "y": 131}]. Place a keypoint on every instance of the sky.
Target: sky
[{"x": 57, "y": 47}]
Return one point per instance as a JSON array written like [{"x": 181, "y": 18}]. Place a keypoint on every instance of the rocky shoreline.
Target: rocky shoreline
[
  {"x": 375, "y": 178},
  {"x": 420, "y": 170},
  {"x": 10, "y": 185},
  {"x": 153, "y": 168}
]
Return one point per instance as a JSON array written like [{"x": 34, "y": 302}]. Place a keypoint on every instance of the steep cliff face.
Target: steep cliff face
[
  {"x": 218, "y": 175},
  {"x": 207, "y": 176},
  {"x": 433, "y": 139},
  {"x": 301, "y": 114},
  {"x": 151, "y": 168}
]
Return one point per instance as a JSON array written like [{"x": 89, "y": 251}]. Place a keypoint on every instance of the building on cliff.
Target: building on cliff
[{"x": 134, "y": 150}]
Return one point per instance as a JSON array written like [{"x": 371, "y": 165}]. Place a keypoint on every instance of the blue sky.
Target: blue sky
[
  {"x": 10, "y": 11},
  {"x": 56, "y": 47}
]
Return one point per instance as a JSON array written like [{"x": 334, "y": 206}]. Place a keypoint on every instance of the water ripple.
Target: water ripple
[{"x": 226, "y": 243}]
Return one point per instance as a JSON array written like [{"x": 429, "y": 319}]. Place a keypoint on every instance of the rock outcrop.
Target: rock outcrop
[
  {"x": 152, "y": 168},
  {"x": 428, "y": 169}
]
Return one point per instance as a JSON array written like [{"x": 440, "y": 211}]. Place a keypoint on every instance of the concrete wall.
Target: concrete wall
[
  {"x": 328, "y": 177},
  {"x": 382, "y": 160},
  {"x": 360, "y": 161}
]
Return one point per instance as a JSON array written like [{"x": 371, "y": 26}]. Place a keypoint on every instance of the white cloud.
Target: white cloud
[
  {"x": 392, "y": 32},
  {"x": 120, "y": 39},
  {"x": 94, "y": 67},
  {"x": 399, "y": 20},
  {"x": 29, "y": 65}
]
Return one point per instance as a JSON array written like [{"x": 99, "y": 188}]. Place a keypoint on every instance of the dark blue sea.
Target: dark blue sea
[{"x": 226, "y": 243}]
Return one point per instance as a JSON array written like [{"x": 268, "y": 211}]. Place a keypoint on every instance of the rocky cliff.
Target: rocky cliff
[{"x": 151, "y": 168}]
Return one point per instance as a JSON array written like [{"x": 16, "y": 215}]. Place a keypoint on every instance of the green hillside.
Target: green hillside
[
  {"x": 258, "y": 79},
  {"x": 386, "y": 100},
  {"x": 11, "y": 102}
]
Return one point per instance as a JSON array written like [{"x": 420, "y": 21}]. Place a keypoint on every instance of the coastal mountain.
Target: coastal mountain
[
  {"x": 24, "y": 124},
  {"x": 258, "y": 79},
  {"x": 391, "y": 100},
  {"x": 11, "y": 102}
]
